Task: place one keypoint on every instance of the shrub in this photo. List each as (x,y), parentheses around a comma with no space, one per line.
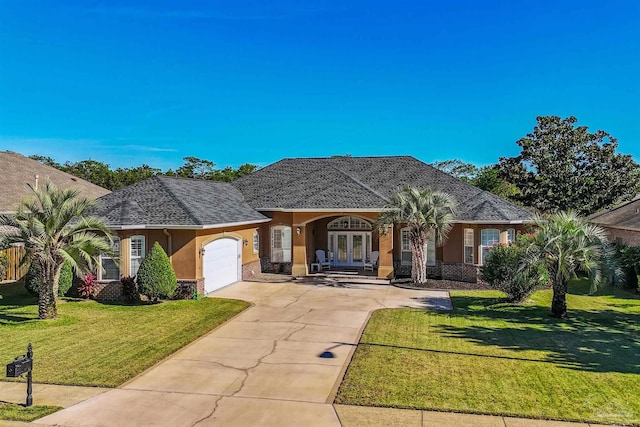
(66,279)
(628,260)
(185,291)
(130,289)
(4,266)
(33,279)
(88,287)
(508,270)
(156,278)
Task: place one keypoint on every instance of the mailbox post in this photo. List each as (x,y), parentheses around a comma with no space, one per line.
(23,365)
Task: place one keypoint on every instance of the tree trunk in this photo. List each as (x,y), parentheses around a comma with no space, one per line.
(559,302)
(47,298)
(419,258)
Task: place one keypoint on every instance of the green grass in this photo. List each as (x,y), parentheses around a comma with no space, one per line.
(490,357)
(14,412)
(95,344)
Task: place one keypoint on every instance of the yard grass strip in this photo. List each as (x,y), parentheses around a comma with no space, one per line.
(99,344)
(15,412)
(490,357)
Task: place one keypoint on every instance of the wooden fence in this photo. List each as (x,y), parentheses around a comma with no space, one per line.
(14,255)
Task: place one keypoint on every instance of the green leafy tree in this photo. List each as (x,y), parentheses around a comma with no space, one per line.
(196,168)
(45,160)
(425,212)
(488,179)
(456,167)
(55,228)
(156,278)
(128,176)
(566,242)
(564,166)
(93,171)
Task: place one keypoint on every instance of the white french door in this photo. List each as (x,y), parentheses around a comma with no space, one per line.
(350,248)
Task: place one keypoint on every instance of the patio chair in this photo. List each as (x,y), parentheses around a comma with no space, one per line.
(372,262)
(322,260)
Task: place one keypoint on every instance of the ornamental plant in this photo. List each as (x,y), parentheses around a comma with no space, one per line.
(66,279)
(156,278)
(508,269)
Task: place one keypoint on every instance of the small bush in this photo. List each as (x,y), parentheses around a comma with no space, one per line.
(33,279)
(4,266)
(130,289)
(628,260)
(156,278)
(66,279)
(506,269)
(88,288)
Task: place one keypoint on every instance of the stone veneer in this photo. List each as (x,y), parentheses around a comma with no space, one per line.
(268,266)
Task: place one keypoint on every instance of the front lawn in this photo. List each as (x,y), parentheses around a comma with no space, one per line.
(96,344)
(15,412)
(495,358)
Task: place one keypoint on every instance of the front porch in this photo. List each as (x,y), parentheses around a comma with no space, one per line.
(347,242)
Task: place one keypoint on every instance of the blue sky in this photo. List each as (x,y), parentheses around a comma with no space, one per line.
(130,82)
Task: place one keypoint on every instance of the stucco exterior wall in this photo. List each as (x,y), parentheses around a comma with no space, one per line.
(627,237)
(244,233)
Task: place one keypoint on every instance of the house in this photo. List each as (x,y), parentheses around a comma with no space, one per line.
(276,218)
(622,223)
(18,173)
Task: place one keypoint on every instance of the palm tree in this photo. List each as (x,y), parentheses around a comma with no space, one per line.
(425,212)
(566,242)
(54,227)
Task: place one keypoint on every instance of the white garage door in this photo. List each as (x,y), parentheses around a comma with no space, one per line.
(221,264)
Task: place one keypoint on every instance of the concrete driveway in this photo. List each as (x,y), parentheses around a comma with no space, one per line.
(278,363)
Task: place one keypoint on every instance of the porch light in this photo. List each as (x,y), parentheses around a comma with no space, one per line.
(298,231)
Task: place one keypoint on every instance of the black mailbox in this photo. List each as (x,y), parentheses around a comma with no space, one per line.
(19,366)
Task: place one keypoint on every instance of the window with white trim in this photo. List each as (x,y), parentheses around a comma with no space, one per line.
(256,243)
(281,243)
(488,238)
(109,263)
(136,253)
(511,235)
(349,223)
(406,253)
(468,245)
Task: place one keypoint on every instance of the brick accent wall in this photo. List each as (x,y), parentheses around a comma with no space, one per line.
(108,290)
(268,266)
(250,269)
(628,237)
(460,272)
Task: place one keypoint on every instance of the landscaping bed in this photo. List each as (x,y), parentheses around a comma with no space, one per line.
(487,356)
(440,284)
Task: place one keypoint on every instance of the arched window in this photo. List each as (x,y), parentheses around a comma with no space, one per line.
(349,223)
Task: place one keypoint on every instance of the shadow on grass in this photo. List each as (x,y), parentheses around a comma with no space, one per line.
(604,340)
(14,297)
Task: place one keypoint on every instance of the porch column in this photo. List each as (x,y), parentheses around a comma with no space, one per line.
(385,264)
(299,267)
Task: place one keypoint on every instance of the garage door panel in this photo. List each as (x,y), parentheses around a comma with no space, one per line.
(221,263)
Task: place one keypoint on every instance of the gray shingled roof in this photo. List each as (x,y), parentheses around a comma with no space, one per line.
(18,171)
(165,201)
(344,183)
(626,216)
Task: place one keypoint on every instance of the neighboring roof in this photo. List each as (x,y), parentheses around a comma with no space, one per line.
(364,183)
(18,171)
(625,216)
(167,202)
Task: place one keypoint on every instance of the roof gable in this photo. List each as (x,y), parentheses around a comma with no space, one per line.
(625,216)
(343,183)
(19,171)
(179,202)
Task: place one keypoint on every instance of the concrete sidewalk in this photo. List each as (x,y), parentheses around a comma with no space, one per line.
(48,394)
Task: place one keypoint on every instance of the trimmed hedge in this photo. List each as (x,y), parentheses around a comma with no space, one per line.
(156,278)
(34,279)
(66,279)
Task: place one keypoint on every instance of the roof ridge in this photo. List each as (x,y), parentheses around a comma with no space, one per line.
(360,183)
(178,200)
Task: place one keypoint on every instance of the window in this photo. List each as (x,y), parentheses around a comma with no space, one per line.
(256,243)
(136,254)
(110,269)
(281,244)
(468,246)
(406,252)
(511,235)
(488,238)
(349,223)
